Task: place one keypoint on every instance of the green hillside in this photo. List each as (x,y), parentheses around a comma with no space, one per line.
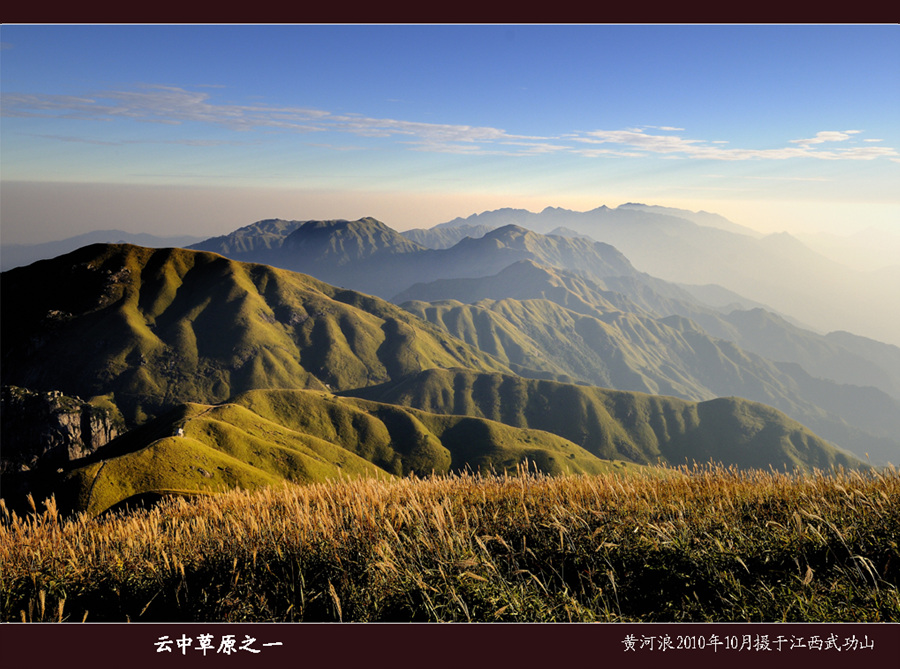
(522,280)
(367,255)
(265,437)
(540,339)
(616,424)
(276,376)
(155,327)
(565,327)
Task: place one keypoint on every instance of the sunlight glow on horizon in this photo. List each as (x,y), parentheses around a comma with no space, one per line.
(33,211)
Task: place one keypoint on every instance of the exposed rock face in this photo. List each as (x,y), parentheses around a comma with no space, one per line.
(49,429)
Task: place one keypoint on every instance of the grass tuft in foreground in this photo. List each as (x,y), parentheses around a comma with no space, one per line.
(710,544)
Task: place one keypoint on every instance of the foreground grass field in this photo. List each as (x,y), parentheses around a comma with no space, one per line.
(709,544)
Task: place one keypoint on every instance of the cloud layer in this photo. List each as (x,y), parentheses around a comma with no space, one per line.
(637,142)
(178,106)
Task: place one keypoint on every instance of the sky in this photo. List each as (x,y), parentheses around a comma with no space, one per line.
(201,129)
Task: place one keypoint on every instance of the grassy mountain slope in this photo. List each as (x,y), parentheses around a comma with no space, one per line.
(524,280)
(17,255)
(566,327)
(503,243)
(368,255)
(264,437)
(437,421)
(615,424)
(155,327)
(614,349)
(540,339)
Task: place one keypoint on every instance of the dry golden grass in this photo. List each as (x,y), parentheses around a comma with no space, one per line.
(705,544)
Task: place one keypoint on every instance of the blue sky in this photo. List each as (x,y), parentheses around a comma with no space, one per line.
(206,128)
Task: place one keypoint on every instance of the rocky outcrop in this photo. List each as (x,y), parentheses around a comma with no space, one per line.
(49,429)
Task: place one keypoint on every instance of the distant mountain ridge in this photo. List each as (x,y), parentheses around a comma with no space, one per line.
(368,255)
(444,238)
(777,269)
(869,249)
(258,237)
(343,242)
(863,362)
(703,218)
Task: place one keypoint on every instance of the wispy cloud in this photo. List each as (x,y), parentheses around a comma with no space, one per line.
(826,136)
(644,143)
(124,142)
(177,106)
(766,177)
(172,105)
(74,139)
(638,139)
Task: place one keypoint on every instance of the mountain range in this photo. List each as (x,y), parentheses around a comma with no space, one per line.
(609,323)
(699,248)
(161,326)
(306,350)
